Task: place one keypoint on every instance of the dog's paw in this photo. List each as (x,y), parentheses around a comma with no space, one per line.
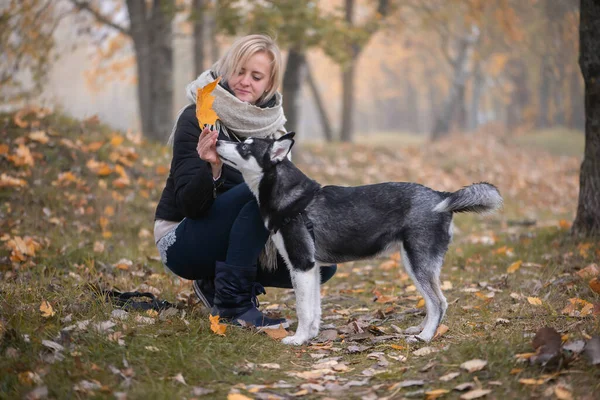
(413,330)
(294,340)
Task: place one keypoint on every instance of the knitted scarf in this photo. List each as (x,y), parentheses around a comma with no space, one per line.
(238,118)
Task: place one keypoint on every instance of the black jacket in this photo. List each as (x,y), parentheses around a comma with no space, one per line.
(190,189)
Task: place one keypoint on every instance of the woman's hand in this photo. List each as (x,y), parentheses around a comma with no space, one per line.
(207,150)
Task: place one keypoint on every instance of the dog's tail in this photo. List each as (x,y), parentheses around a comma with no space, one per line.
(480,197)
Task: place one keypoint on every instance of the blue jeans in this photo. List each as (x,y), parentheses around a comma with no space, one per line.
(233,232)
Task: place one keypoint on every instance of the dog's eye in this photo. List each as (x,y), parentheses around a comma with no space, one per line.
(245,147)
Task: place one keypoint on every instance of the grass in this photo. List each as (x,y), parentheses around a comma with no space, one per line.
(87,225)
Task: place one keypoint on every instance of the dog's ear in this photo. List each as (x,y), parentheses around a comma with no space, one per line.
(281,147)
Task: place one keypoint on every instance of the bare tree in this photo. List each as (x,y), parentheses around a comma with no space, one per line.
(152,35)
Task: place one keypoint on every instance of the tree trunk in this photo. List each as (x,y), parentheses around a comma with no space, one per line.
(198,23)
(544,94)
(577,112)
(347,126)
(519,97)
(477,89)
(151,33)
(325,124)
(456,94)
(162,69)
(292,88)
(137,16)
(212,29)
(587,221)
(347,130)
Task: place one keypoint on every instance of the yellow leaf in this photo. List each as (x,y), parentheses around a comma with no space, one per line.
(215,326)
(46,309)
(434,394)
(116,140)
(530,381)
(237,396)
(397,347)
(204,102)
(109,211)
(9,181)
(440,331)
(104,169)
(514,267)
(421,303)
(94,146)
(562,393)
(39,136)
(534,301)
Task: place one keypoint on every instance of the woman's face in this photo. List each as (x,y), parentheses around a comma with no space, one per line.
(253,79)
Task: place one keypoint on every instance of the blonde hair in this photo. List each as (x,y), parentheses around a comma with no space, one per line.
(241,50)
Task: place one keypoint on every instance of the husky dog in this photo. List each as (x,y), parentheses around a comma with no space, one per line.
(314,225)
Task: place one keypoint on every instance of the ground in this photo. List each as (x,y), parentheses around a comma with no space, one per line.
(76,209)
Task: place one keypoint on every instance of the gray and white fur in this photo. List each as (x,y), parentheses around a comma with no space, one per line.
(351,223)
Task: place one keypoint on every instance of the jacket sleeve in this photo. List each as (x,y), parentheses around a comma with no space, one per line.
(192,177)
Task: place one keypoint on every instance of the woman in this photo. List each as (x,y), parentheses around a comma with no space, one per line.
(208,226)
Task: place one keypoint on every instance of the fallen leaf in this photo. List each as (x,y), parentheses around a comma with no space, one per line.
(514,267)
(590,271)
(595,285)
(547,342)
(204,102)
(200,391)
(270,366)
(46,309)
(562,393)
(475,394)
(473,365)
(434,394)
(9,181)
(424,351)
(464,386)
(534,301)
(179,378)
(440,331)
(276,334)
(218,328)
(531,381)
(449,377)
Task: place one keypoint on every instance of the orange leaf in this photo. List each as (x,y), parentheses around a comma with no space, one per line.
(595,285)
(514,267)
(276,334)
(204,102)
(534,301)
(9,181)
(46,309)
(216,327)
(440,331)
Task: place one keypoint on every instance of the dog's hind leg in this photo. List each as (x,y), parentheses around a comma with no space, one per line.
(423,266)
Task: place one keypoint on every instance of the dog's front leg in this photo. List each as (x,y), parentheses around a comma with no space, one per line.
(304,286)
(316,321)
